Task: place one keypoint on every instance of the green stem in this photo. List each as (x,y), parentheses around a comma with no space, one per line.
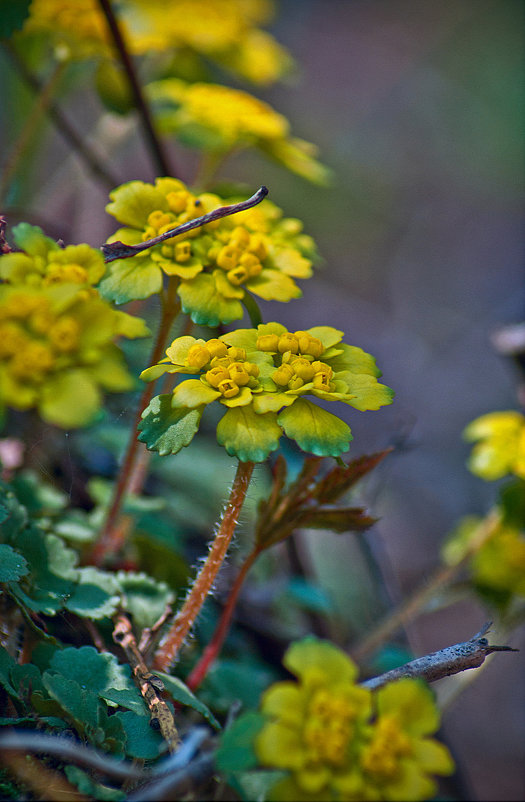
(212,650)
(39,109)
(110,539)
(150,134)
(174,638)
(82,150)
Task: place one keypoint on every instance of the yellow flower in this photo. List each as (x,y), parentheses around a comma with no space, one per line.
(43,262)
(57,351)
(216,263)
(501,446)
(227,33)
(261,376)
(338,741)
(218,119)
(498,565)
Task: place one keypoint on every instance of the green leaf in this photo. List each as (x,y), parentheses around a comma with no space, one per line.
(128,698)
(181,693)
(91,789)
(12,565)
(95,594)
(79,703)
(206,306)
(142,741)
(248,436)
(131,279)
(98,671)
(254,785)
(236,751)
(315,430)
(13,16)
(231,680)
(165,429)
(144,597)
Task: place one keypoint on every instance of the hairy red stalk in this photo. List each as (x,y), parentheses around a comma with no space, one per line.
(212,650)
(175,636)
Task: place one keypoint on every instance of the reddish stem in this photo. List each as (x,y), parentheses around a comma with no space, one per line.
(212,650)
(174,638)
(111,537)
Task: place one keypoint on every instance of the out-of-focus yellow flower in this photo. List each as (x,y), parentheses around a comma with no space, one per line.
(219,119)
(79,26)
(501,446)
(225,32)
(43,262)
(338,741)
(57,351)
(498,564)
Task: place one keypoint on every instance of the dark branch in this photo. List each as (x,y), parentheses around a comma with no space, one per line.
(451,660)
(119,250)
(140,103)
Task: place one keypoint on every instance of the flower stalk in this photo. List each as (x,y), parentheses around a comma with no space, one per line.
(112,536)
(174,638)
(212,650)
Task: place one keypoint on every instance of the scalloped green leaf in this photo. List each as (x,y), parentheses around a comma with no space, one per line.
(165,429)
(12,565)
(95,594)
(181,693)
(32,240)
(131,279)
(144,597)
(99,671)
(248,436)
(142,741)
(315,430)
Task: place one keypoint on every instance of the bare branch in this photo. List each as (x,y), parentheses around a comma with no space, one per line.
(443,663)
(119,250)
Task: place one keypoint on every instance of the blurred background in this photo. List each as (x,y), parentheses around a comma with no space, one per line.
(417,107)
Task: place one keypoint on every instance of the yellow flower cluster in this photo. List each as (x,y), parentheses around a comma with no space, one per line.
(339,741)
(228,33)
(499,448)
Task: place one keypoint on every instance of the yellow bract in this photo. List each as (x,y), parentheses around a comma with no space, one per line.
(500,449)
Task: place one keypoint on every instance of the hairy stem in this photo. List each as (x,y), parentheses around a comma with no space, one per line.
(110,539)
(152,139)
(212,650)
(174,638)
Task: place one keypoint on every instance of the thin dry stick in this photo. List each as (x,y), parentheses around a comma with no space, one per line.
(45,783)
(68,751)
(409,609)
(80,147)
(149,685)
(150,134)
(119,250)
(443,663)
(174,638)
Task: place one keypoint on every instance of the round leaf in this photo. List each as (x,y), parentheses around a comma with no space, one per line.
(165,429)
(248,436)
(315,430)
